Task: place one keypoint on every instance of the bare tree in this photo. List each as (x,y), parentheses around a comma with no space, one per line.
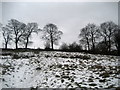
(7,36)
(30,28)
(51,34)
(89,35)
(94,34)
(107,32)
(85,37)
(18,30)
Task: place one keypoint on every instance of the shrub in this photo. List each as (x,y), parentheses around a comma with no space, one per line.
(71,47)
(64,47)
(15,56)
(75,47)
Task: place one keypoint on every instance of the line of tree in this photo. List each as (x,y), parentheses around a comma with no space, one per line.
(71,47)
(103,38)
(20,33)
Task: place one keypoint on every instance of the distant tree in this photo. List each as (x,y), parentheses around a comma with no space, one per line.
(75,47)
(64,46)
(18,30)
(117,39)
(101,47)
(30,28)
(94,34)
(7,36)
(71,47)
(47,45)
(107,32)
(89,35)
(51,34)
(85,37)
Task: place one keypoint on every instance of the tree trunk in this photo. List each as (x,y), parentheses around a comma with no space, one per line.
(26,44)
(16,44)
(93,46)
(109,44)
(52,42)
(88,45)
(93,43)
(85,47)
(118,48)
(6,45)
(106,43)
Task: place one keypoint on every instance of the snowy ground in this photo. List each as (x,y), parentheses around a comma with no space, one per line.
(59,70)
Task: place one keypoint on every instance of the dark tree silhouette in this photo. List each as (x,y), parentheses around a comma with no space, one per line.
(71,47)
(30,28)
(117,40)
(107,32)
(88,36)
(7,36)
(94,34)
(85,37)
(18,30)
(51,34)
(64,47)
(75,47)
(101,47)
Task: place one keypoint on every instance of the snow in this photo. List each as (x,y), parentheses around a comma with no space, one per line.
(60,70)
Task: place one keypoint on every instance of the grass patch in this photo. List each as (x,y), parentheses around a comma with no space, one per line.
(59,65)
(90,80)
(57,76)
(6,54)
(38,68)
(102,80)
(78,84)
(105,74)
(65,76)
(92,84)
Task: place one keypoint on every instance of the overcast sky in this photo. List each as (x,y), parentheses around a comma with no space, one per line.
(69,17)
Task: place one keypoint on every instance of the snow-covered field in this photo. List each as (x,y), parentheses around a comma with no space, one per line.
(59,70)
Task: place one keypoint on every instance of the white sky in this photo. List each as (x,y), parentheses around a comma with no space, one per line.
(70,17)
(59,0)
